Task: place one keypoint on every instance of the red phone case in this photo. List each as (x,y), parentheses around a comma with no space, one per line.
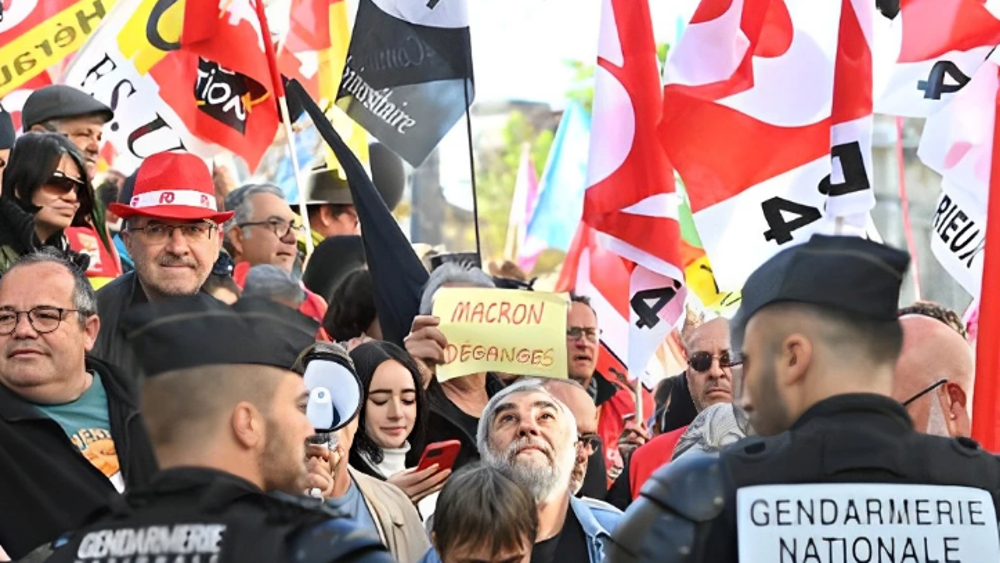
(441,453)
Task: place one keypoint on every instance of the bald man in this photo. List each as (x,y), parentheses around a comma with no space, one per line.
(579,402)
(933,351)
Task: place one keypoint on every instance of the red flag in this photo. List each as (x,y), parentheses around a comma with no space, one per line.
(943,43)
(630,200)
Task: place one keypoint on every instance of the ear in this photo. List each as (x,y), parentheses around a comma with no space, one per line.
(248,425)
(236,239)
(794,358)
(954,403)
(91,328)
(325,215)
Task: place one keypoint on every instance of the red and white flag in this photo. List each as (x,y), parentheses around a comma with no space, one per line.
(199,82)
(763,122)
(941,43)
(630,199)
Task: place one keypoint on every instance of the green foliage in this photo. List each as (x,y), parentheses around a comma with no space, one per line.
(496,176)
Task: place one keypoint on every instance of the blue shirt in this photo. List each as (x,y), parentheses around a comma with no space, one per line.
(352,505)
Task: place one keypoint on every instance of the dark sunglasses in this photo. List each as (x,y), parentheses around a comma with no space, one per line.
(927,390)
(591,442)
(223,266)
(702,361)
(63,182)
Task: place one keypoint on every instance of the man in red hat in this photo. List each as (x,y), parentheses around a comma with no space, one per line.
(172,232)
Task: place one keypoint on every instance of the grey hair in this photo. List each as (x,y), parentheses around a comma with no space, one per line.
(240,201)
(452,273)
(533,385)
(84,297)
(271,282)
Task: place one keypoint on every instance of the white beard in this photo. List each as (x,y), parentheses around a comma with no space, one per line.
(542,482)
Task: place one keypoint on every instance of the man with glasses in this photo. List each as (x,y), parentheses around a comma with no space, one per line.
(70,433)
(172,232)
(579,403)
(264,230)
(710,379)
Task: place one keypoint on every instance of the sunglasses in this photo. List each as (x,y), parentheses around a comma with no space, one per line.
(590,442)
(64,183)
(702,361)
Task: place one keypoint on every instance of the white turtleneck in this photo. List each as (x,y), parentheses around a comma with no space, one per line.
(393,460)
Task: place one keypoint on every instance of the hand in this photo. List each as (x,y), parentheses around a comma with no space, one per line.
(633,435)
(319,462)
(426,343)
(419,484)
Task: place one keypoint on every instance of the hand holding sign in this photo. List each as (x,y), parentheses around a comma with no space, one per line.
(510,331)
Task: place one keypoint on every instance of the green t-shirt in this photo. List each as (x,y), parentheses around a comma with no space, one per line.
(88,425)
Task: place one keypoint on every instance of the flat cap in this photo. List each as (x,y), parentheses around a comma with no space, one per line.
(190,332)
(6,130)
(60,101)
(848,274)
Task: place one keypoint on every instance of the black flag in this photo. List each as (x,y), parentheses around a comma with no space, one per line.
(398,275)
(408,76)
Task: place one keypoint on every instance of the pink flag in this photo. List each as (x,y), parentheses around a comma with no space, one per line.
(521,207)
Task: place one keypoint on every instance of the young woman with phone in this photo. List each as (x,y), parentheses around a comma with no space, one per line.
(389,442)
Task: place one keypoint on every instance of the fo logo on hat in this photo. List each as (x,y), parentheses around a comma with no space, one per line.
(173,185)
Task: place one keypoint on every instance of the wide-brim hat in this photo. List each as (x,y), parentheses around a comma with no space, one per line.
(173,185)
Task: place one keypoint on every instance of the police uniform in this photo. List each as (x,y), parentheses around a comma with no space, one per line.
(850,481)
(199,514)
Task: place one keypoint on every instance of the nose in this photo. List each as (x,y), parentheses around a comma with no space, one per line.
(177,244)
(395,410)
(23,328)
(528,427)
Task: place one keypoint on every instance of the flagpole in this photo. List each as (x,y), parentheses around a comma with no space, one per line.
(905,203)
(279,91)
(986,397)
(472,171)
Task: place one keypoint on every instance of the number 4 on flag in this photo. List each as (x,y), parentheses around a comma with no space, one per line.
(648,303)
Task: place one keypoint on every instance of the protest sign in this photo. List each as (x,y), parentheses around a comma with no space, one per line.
(866,522)
(504,330)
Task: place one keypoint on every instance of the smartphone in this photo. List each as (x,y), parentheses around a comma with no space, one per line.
(441,453)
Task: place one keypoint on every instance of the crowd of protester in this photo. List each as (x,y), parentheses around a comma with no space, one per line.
(94,405)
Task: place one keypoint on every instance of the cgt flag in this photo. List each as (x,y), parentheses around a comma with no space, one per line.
(169,70)
(408,76)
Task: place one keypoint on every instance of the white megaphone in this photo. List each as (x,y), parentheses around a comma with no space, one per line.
(334,391)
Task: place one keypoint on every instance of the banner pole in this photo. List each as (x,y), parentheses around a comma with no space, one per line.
(986,397)
(279,92)
(904,201)
(472,172)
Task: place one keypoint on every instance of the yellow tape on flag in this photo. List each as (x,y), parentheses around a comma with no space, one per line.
(502,330)
(48,43)
(151,31)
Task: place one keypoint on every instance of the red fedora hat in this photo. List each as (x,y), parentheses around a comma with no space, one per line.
(173,185)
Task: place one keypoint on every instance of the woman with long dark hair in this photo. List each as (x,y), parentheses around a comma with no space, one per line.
(45,190)
(391,422)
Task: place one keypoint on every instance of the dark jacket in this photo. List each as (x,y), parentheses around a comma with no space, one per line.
(113,301)
(18,237)
(445,420)
(47,487)
(207,515)
(846,439)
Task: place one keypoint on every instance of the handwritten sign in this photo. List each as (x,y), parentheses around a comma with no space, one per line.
(503,330)
(866,522)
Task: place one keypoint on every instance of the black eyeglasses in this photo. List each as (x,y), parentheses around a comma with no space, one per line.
(193,232)
(927,390)
(281,229)
(42,319)
(590,441)
(578,332)
(224,266)
(64,183)
(702,361)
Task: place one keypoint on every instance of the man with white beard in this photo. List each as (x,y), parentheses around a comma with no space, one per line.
(530,436)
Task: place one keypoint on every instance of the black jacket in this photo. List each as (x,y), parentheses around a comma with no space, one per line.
(47,487)
(113,301)
(445,421)
(688,509)
(18,237)
(201,514)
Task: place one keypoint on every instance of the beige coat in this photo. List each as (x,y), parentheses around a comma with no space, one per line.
(398,522)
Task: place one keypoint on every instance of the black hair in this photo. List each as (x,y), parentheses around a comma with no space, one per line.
(352,308)
(879,341)
(107,193)
(578,298)
(367,358)
(33,160)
